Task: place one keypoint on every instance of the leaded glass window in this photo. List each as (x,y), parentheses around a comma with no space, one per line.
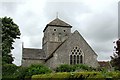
(76,56)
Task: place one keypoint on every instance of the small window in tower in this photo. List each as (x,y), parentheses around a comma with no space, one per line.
(54,29)
(64,30)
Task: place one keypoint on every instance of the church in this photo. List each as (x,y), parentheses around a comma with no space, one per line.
(60,46)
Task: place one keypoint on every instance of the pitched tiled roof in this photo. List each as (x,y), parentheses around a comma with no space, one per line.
(57,23)
(30,53)
(104,64)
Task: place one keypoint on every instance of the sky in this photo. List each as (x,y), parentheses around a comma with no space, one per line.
(96,20)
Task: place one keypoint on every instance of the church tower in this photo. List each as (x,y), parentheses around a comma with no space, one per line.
(55,33)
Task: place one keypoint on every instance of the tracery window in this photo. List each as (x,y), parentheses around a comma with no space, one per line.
(76,56)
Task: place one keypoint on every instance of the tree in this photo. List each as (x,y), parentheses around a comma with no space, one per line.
(115,60)
(10,32)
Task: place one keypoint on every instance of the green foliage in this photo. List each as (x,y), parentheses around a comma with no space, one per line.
(8,71)
(61,75)
(58,76)
(11,71)
(64,68)
(52,76)
(76,75)
(85,75)
(113,74)
(20,73)
(72,68)
(37,69)
(10,32)
(82,67)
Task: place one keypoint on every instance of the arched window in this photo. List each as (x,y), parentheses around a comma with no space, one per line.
(76,56)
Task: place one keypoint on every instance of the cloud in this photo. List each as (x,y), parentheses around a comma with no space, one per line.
(119,19)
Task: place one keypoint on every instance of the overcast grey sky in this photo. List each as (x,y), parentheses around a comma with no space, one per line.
(96,20)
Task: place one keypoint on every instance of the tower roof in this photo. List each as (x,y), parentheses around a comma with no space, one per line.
(57,23)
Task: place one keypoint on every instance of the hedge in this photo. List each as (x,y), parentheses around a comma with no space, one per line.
(8,70)
(64,68)
(82,67)
(72,68)
(11,71)
(77,75)
(37,69)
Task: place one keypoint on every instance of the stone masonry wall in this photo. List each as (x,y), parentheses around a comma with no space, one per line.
(28,62)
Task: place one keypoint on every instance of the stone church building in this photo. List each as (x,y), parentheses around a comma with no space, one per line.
(60,46)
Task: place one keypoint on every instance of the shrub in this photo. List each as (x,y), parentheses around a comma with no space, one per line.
(64,68)
(78,76)
(9,69)
(37,69)
(20,73)
(72,68)
(75,76)
(52,76)
(113,74)
(82,67)
(61,75)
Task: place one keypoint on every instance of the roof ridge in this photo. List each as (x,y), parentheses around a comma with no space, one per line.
(57,23)
(57,20)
